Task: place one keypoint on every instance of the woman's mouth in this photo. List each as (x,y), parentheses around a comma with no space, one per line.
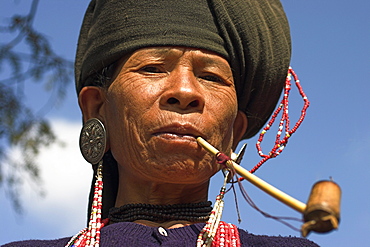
(179,131)
(172,135)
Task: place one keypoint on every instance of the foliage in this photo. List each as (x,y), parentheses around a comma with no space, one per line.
(26,57)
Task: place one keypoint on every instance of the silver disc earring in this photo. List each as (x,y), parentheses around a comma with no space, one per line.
(93,139)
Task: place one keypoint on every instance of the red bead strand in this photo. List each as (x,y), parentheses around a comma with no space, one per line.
(227,236)
(90,236)
(280,143)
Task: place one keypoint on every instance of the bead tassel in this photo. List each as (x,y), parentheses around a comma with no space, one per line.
(211,229)
(227,236)
(280,143)
(90,237)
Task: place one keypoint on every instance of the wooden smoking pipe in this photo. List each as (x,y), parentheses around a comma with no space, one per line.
(322,211)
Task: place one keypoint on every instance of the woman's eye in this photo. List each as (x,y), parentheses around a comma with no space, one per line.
(212,78)
(151,69)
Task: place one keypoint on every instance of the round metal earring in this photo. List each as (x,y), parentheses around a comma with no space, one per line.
(93,139)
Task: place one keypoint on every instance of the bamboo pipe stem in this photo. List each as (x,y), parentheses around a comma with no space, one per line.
(266,187)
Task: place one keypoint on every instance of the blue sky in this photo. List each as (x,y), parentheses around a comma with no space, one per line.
(331,56)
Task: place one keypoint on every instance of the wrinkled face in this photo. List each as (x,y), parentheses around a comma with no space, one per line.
(161,100)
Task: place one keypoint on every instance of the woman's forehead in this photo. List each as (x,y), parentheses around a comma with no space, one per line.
(208,57)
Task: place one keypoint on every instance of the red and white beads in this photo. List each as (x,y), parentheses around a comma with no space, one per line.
(281,142)
(90,237)
(227,236)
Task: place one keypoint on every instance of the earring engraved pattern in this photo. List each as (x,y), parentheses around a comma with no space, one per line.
(93,140)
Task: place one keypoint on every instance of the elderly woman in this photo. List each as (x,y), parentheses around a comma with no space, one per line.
(152,76)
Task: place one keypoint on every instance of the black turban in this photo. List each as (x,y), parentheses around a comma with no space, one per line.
(253,35)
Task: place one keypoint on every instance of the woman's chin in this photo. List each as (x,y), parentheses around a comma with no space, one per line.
(179,170)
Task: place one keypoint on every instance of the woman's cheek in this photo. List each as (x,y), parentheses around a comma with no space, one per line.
(223,119)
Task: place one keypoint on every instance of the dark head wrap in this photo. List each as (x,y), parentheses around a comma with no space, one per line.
(253,35)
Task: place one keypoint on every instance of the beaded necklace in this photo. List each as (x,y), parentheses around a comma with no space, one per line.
(192,212)
(214,233)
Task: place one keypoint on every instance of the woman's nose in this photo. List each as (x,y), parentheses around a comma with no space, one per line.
(183,93)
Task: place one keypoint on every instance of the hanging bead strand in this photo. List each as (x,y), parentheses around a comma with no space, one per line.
(90,236)
(209,231)
(280,143)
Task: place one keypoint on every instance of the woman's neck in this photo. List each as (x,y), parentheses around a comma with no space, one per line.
(134,190)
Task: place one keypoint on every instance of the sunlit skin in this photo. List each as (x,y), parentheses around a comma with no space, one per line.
(161,99)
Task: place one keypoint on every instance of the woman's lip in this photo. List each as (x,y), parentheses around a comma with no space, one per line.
(177,130)
(169,135)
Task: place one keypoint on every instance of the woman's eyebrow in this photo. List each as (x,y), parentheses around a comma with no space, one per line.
(160,52)
(205,58)
(209,61)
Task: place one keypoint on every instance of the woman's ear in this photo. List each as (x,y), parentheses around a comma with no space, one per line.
(91,99)
(239,128)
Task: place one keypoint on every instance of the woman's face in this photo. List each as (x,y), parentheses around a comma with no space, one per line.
(160,101)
